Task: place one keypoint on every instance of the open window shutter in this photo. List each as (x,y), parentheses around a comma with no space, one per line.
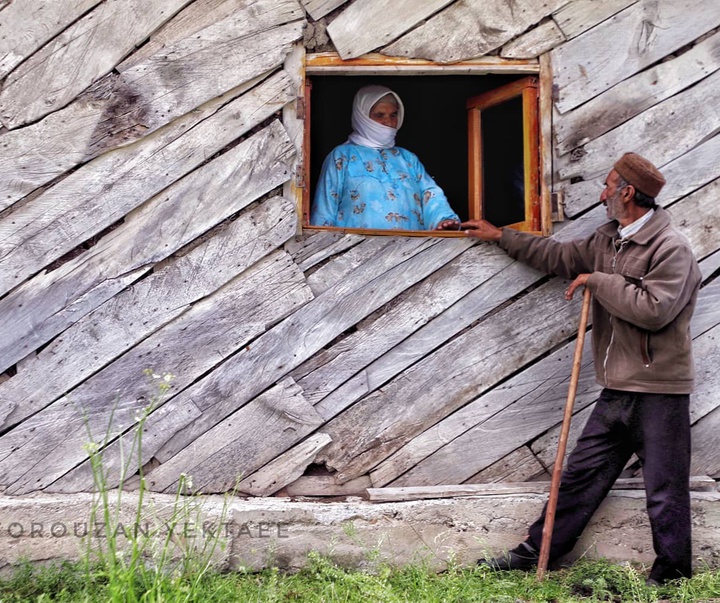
(503,155)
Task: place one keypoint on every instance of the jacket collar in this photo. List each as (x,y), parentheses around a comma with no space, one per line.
(659,221)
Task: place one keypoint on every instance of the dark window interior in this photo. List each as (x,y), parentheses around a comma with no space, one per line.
(503,166)
(435,129)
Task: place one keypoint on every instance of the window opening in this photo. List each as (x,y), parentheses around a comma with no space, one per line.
(481,165)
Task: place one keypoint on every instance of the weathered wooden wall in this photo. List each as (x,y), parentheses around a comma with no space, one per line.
(148,153)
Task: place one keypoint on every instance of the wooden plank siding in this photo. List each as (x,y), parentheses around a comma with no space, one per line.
(122,108)
(26,26)
(149,226)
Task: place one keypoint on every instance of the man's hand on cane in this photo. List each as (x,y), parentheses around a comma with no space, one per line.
(580,281)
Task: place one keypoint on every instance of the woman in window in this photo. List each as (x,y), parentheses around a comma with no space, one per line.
(368,182)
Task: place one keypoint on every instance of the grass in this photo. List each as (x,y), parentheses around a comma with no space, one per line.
(324,582)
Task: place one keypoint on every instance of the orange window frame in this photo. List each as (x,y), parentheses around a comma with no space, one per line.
(527,88)
(332,64)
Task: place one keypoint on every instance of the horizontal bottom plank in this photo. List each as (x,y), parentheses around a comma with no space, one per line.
(701,483)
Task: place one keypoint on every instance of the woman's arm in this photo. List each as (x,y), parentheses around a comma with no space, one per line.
(329,190)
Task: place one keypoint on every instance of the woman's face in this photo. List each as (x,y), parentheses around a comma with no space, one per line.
(385,113)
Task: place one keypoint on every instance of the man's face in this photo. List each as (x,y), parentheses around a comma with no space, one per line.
(612,197)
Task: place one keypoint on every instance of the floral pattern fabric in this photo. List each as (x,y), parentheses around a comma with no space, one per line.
(360,187)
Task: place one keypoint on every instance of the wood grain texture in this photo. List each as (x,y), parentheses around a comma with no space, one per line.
(642,34)
(662,133)
(684,175)
(52,301)
(82,54)
(326,485)
(369,24)
(533,43)
(410,311)
(107,188)
(636,94)
(471,308)
(518,466)
(466,29)
(39,451)
(121,109)
(697,217)
(26,25)
(244,17)
(578,16)
(242,443)
(493,426)
(383,422)
(311,248)
(134,314)
(701,483)
(376,282)
(285,469)
(319,8)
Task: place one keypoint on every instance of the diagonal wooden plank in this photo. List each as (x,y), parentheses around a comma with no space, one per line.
(312,248)
(580,15)
(120,109)
(285,469)
(636,94)
(691,116)
(492,426)
(471,308)
(446,380)
(368,24)
(26,25)
(242,443)
(319,8)
(410,312)
(104,190)
(533,43)
(641,35)
(246,17)
(285,346)
(368,288)
(82,54)
(684,175)
(43,307)
(50,443)
(467,29)
(137,312)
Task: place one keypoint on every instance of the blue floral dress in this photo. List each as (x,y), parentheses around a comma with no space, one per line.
(361,187)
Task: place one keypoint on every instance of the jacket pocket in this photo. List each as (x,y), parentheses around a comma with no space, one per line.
(645,351)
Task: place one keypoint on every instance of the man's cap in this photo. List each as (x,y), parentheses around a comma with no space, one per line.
(642,174)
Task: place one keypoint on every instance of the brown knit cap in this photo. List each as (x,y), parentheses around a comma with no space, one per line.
(642,174)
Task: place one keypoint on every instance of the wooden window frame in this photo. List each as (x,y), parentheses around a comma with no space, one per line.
(527,88)
(330,63)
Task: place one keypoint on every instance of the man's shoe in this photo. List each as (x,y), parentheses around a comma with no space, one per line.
(523,557)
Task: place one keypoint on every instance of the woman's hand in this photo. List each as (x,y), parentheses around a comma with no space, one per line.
(482,229)
(448,225)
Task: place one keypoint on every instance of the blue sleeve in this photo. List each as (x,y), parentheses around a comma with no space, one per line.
(329,190)
(434,202)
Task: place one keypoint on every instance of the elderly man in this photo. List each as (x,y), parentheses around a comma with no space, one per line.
(644,280)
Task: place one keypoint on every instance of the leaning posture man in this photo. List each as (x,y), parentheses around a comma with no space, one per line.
(644,280)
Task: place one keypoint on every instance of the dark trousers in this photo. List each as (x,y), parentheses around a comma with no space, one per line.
(657,428)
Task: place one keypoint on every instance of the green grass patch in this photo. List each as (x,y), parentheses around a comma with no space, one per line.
(322,581)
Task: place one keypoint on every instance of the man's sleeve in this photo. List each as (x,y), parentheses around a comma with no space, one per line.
(567,259)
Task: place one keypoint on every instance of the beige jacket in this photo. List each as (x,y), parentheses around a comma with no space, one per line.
(644,294)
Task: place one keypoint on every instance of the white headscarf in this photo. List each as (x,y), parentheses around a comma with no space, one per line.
(367,132)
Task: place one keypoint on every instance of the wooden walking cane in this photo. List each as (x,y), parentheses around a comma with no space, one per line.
(562,443)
